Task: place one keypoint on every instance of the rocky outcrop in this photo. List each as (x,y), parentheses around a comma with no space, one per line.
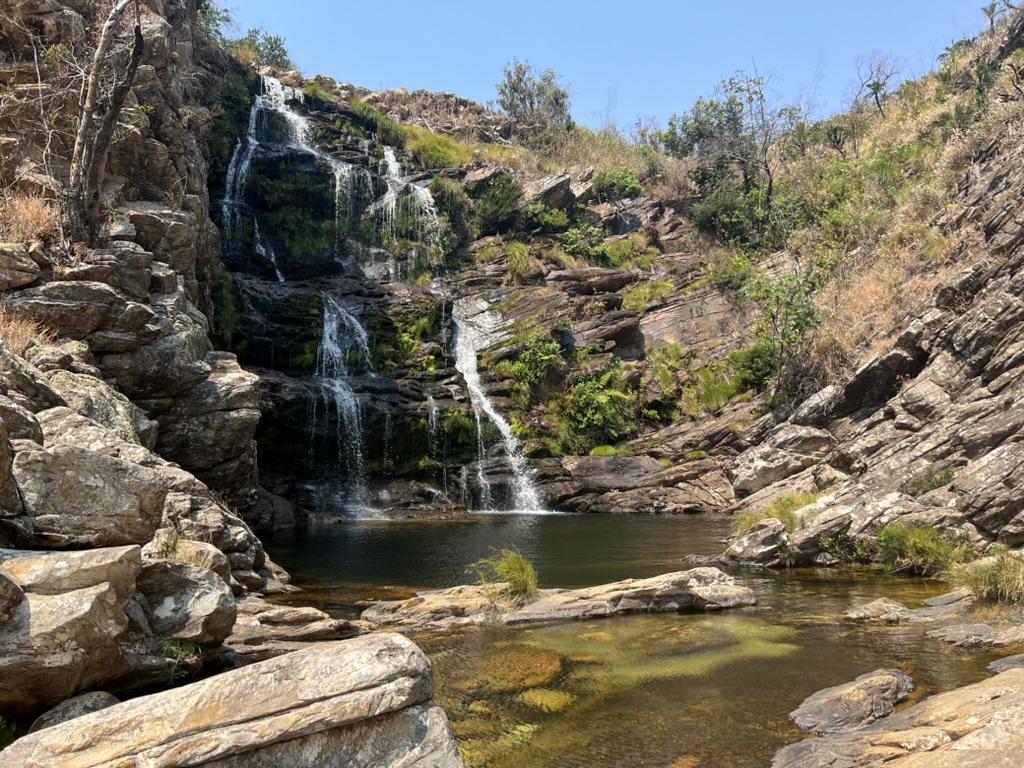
(978,725)
(699,589)
(849,706)
(363,702)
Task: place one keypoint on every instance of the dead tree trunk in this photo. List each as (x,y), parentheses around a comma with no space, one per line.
(98,115)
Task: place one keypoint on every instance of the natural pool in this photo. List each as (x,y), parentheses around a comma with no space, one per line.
(665,690)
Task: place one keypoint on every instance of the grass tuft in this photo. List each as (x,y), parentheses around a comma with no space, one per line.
(511,568)
(782,508)
(921,549)
(999,577)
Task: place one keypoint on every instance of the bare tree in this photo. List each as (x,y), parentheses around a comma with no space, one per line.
(992,12)
(98,112)
(874,75)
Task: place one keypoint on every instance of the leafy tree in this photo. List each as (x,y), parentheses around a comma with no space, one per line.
(538,103)
(788,313)
(498,204)
(261,49)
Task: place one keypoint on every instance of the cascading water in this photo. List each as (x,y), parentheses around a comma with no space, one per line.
(265,250)
(344,342)
(469,339)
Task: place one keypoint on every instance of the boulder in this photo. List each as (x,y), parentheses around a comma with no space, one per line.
(187,603)
(168,546)
(766,543)
(788,450)
(851,705)
(97,400)
(21,423)
(356,703)
(76,706)
(24,383)
(883,609)
(977,725)
(55,645)
(77,497)
(17,268)
(554,191)
(51,573)
(596,474)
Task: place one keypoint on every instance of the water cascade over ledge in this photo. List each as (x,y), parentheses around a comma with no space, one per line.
(470,337)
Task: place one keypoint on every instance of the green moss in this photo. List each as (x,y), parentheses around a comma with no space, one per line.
(930,479)
(631,252)
(642,295)
(316,92)
(373,120)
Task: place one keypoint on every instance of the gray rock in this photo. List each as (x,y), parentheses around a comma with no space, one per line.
(76,706)
(852,705)
(359,703)
(21,424)
(764,544)
(554,190)
(17,268)
(10,498)
(77,497)
(96,400)
(10,597)
(788,450)
(51,573)
(187,603)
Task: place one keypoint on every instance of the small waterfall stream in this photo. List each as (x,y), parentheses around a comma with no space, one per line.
(469,339)
(344,343)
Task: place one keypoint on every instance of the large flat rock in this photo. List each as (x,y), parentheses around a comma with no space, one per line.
(699,589)
(362,702)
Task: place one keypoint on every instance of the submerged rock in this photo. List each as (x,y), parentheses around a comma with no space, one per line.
(699,589)
(851,705)
(358,703)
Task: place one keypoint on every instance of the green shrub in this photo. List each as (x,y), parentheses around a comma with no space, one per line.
(540,357)
(455,207)
(388,131)
(545,218)
(608,451)
(929,480)
(316,92)
(753,367)
(999,577)
(519,259)
(497,206)
(599,410)
(507,566)
(695,455)
(920,549)
(611,185)
(585,242)
(782,508)
(432,150)
(180,651)
(640,296)
(630,252)
(711,390)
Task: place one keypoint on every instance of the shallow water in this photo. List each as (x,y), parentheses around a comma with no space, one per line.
(665,690)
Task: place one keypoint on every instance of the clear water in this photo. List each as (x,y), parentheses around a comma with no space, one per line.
(665,690)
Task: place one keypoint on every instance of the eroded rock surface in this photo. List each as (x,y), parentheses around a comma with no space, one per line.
(849,706)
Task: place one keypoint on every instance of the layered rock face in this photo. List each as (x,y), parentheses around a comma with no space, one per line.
(928,432)
(364,702)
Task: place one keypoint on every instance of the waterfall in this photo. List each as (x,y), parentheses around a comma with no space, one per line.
(391,170)
(469,338)
(344,342)
(265,250)
(404,199)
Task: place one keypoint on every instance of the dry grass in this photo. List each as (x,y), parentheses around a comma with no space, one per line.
(19,331)
(25,219)
(999,577)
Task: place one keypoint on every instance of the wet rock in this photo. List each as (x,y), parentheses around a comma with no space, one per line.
(17,268)
(1007,662)
(882,610)
(851,705)
(699,589)
(546,699)
(787,451)
(76,706)
(766,543)
(977,725)
(187,603)
(358,703)
(77,497)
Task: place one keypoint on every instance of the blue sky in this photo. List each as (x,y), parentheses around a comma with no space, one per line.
(621,60)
